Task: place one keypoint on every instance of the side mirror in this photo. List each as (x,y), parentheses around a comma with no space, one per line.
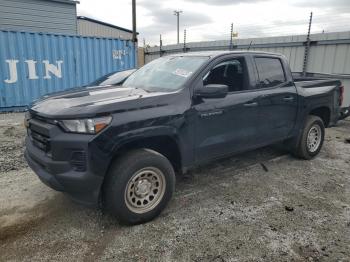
(212,91)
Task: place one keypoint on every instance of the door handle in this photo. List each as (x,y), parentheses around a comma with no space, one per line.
(251,104)
(211,113)
(288,98)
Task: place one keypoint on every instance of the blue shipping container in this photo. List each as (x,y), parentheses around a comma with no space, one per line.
(36,64)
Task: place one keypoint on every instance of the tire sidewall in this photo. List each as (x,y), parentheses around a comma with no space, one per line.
(123,172)
(312,122)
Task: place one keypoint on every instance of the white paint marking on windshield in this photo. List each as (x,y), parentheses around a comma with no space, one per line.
(182,72)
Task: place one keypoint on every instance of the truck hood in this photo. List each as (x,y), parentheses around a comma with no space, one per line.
(92,101)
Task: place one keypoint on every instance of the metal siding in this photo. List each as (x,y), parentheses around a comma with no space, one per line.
(339,67)
(347,60)
(38,16)
(299,58)
(329,57)
(84,60)
(329,53)
(88,28)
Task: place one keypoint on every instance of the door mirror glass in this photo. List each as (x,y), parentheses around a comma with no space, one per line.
(212,91)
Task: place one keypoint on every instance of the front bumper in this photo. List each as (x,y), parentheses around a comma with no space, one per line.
(83,187)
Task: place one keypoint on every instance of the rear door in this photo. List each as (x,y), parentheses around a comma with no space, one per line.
(278,100)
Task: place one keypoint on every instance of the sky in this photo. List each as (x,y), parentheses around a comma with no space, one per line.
(207,20)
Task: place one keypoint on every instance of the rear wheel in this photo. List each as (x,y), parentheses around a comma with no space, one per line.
(311,139)
(138,186)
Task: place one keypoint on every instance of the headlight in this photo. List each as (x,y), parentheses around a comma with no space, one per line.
(86,126)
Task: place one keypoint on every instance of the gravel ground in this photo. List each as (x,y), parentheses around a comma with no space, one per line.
(263,205)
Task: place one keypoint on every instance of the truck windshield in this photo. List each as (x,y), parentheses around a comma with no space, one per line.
(165,74)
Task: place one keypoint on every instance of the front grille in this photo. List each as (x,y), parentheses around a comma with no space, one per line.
(39,132)
(40,141)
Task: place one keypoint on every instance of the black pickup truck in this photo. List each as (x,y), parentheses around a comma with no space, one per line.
(121,145)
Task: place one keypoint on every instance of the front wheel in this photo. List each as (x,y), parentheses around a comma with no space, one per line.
(312,137)
(138,186)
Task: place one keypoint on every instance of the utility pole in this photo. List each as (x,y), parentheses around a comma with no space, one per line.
(307,47)
(160,45)
(134,34)
(185,41)
(177,14)
(231,37)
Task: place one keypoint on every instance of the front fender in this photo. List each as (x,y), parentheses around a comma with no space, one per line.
(146,132)
(107,145)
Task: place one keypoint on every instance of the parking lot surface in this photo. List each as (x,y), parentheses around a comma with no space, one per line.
(264,205)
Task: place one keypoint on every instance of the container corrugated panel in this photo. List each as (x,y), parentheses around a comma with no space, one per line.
(35,64)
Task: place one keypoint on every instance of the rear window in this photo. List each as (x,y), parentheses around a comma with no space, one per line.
(270,72)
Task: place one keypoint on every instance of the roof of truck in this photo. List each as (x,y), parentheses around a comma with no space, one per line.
(220,53)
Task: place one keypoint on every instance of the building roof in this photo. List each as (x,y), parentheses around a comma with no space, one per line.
(72,2)
(103,23)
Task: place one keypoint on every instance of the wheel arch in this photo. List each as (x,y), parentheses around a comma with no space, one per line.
(162,139)
(163,144)
(322,112)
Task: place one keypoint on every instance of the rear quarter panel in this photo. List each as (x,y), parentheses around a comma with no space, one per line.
(319,94)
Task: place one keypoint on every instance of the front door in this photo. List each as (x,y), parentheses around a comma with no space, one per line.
(226,125)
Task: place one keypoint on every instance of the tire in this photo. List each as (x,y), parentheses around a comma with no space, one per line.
(314,130)
(138,186)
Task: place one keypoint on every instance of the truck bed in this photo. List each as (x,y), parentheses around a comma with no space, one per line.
(308,80)
(317,86)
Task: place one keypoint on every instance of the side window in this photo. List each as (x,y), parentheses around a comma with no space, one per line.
(231,73)
(270,72)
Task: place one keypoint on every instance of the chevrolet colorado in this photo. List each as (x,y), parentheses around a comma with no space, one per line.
(121,145)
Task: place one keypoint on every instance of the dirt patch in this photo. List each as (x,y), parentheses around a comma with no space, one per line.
(12,135)
(9,233)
